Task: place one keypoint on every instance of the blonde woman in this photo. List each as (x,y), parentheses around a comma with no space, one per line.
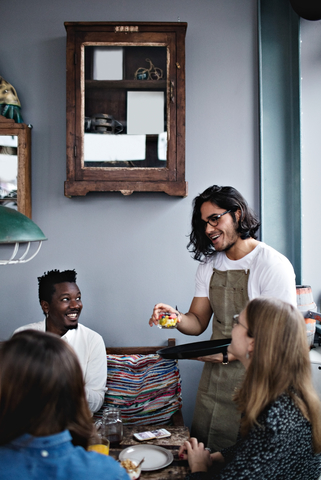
(280,431)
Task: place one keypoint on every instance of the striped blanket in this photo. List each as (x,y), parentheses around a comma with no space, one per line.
(146,388)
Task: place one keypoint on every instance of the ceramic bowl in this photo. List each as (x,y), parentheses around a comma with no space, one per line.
(129,466)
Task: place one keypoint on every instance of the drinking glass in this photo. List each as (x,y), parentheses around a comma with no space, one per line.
(99,444)
(112,425)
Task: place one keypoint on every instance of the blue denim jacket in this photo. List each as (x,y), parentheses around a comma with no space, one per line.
(55,457)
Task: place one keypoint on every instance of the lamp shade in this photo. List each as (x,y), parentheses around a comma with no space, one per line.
(307,9)
(17,228)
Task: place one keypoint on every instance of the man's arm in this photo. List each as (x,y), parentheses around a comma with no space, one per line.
(96,374)
(201,309)
(196,320)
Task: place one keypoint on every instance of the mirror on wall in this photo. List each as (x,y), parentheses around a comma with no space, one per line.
(8,170)
(15,165)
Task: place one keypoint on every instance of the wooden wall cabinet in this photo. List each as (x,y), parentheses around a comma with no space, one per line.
(15,165)
(125,107)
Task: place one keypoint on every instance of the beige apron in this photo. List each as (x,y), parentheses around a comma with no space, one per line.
(216,419)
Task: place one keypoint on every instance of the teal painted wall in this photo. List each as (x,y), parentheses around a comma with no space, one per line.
(280,148)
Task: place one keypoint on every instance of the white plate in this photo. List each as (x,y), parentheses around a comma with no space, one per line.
(155,457)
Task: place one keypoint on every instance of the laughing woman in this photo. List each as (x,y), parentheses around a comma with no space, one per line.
(280,431)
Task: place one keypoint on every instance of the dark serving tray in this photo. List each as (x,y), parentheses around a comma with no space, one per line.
(196,349)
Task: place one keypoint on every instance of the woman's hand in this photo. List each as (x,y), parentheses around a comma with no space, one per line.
(199,459)
(158,310)
(217,457)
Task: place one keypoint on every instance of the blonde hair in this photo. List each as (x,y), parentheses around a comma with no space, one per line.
(280,364)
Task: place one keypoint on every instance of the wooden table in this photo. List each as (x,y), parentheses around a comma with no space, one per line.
(178,468)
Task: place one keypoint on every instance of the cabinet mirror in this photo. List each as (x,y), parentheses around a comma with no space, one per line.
(131,131)
(15,165)
(125,107)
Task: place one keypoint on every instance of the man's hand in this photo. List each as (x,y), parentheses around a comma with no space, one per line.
(158,310)
(217,358)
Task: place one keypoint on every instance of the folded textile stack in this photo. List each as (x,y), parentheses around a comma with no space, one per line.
(146,388)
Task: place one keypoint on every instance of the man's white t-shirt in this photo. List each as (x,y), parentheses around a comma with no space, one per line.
(271,273)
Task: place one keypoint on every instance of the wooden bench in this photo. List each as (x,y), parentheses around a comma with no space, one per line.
(171,342)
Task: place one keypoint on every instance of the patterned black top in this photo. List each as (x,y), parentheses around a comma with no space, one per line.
(279,448)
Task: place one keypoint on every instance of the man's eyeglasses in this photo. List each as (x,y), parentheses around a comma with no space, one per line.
(213,221)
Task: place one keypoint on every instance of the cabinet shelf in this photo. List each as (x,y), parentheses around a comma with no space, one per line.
(127,84)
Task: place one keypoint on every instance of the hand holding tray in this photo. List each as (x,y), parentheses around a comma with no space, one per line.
(195,349)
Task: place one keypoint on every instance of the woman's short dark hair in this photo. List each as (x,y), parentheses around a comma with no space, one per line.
(41,389)
(227,198)
(46,283)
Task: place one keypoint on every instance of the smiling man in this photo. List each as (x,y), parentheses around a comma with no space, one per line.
(60,300)
(235,267)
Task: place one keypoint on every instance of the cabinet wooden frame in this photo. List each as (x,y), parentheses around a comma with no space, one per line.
(82,179)
(23,132)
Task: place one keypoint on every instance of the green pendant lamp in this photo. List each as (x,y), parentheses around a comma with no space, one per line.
(16,229)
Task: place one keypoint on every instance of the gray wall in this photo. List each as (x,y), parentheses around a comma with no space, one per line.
(130,252)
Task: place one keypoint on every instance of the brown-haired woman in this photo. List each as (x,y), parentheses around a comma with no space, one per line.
(280,432)
(45,423)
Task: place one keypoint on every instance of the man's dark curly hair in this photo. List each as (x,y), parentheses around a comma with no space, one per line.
(227,198)
(47,282)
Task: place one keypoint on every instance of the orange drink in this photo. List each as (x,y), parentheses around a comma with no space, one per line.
(102,447)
